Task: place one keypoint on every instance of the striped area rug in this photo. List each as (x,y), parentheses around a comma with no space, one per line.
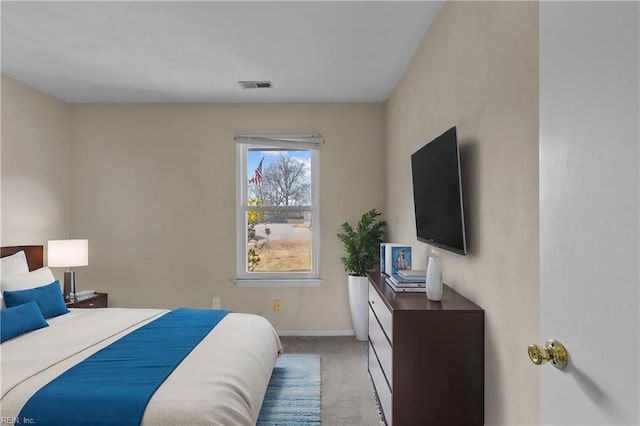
(293,394)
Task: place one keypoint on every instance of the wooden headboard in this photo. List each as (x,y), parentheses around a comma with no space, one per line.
(35,254)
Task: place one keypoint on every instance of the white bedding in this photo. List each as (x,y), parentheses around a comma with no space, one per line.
(221,382)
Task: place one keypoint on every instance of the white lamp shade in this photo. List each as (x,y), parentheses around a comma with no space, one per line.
(67,253)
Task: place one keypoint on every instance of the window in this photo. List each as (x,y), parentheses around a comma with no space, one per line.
(277,210)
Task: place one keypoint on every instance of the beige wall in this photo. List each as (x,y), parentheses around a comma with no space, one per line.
(35,166)
(478,69)
(153,189)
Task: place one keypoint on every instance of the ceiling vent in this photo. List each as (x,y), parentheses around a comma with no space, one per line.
(255,84)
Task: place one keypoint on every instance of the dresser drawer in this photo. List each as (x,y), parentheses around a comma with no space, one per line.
(382,388)
(381,311)
(381,346)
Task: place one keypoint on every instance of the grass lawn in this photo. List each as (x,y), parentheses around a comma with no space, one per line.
(285,255)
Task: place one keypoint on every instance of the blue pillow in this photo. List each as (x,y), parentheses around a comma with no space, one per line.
(49,299)
(20,319)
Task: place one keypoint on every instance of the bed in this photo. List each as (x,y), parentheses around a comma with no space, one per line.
(222,381)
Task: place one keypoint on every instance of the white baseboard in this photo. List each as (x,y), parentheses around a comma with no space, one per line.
(315,333)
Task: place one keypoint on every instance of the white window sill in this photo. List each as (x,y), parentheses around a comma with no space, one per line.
(284,282)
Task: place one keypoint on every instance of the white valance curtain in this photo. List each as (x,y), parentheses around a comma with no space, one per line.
(308,141)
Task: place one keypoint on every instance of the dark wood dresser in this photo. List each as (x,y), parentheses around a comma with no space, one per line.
(426,359)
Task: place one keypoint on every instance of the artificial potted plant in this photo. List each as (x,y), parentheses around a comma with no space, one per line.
(362,245)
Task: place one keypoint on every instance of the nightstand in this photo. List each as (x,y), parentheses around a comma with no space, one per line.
(96,300)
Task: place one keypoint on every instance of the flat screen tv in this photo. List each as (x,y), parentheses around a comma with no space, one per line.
(437,193)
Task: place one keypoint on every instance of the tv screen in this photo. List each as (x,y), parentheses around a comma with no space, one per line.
(437,193)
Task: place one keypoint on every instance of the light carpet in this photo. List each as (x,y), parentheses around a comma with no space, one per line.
(348,398)
(293,394)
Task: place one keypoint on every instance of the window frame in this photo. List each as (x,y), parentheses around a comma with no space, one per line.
(244,143)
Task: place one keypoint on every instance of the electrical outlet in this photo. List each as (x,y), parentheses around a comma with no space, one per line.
(215,303)
(277,305)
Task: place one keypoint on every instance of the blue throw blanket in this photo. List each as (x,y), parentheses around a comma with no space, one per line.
(114,385)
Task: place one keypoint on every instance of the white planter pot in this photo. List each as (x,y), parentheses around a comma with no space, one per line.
(359,305)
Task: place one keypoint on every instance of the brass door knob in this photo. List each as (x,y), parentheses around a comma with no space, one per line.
(553,351)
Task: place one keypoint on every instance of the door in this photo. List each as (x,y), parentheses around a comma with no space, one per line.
(589,210)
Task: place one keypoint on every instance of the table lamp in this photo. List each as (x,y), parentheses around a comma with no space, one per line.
(68,254)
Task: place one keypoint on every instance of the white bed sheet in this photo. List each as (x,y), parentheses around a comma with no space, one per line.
(221,382)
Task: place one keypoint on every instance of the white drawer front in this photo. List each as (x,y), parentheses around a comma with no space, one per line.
(381,346)
(382,389)
(381,311)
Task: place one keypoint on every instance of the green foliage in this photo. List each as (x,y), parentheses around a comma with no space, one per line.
(362,244)
(254,216)
(253,257)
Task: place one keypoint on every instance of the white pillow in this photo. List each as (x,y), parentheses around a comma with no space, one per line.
(33,279)
(15,264)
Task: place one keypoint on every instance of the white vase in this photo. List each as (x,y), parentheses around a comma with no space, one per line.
(359,305)
(434,278)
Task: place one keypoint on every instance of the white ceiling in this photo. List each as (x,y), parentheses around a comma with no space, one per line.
(122,52)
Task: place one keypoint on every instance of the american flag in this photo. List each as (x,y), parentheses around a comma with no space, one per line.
(257,175)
